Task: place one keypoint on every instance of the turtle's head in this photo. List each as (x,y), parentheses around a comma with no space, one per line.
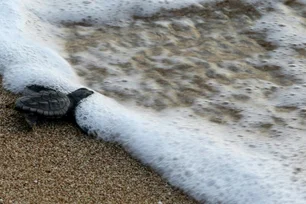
(79,94)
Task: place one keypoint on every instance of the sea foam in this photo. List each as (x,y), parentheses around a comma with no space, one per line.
(209,161)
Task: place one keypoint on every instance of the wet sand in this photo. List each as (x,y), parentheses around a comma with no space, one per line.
(57,163)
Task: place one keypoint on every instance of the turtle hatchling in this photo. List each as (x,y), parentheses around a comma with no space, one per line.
(41,102)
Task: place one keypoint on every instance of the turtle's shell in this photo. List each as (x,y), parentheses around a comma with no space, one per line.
(46,103)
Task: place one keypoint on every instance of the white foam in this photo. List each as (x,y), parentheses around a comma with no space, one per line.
(283,28)
(23,61)
(202,161)
(209,161)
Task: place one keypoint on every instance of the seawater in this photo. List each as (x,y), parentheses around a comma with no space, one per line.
(211,94)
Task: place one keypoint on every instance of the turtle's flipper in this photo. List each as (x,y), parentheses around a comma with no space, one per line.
(31,119)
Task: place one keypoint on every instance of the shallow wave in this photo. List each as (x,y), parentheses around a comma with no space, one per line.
(231,162)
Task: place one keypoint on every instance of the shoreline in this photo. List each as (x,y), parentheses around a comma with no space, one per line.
(57,163)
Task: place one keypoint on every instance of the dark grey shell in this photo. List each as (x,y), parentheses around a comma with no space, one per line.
(49,103)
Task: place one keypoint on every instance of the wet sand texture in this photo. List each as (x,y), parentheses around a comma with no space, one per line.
(209,60)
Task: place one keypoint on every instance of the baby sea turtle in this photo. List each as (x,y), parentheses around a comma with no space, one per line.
(41,102)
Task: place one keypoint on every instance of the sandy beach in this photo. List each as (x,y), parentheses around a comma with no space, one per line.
(57,163)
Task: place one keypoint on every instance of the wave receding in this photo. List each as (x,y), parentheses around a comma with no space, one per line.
(213,162)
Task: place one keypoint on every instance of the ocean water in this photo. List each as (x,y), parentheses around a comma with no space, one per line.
(211,94)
